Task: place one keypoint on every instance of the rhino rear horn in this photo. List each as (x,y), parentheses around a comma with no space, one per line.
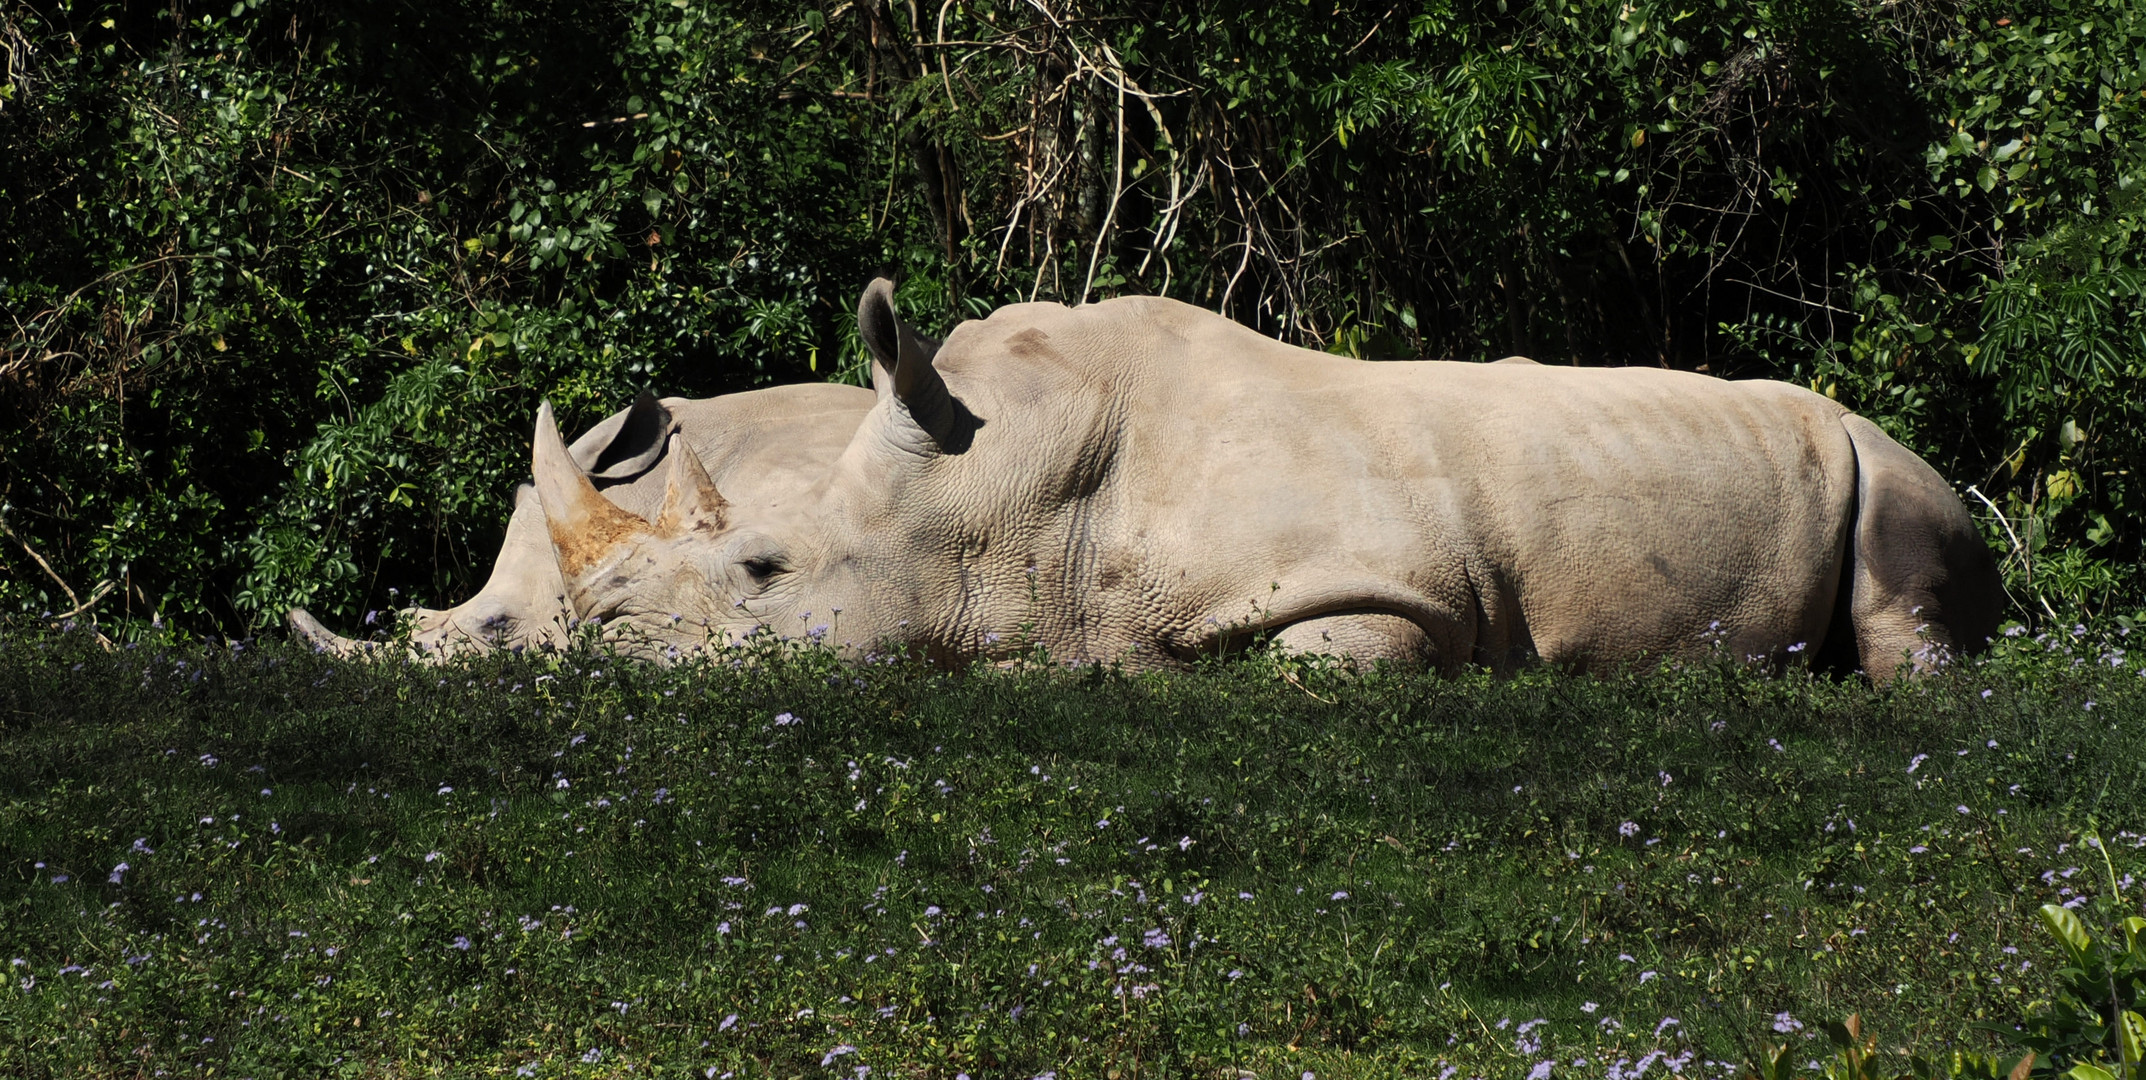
(902,363)
(584,525)
(690,500)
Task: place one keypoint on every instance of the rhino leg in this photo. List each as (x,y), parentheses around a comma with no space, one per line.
(1922,585)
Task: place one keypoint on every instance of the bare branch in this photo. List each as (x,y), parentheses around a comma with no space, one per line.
(40,560)
(1117,191)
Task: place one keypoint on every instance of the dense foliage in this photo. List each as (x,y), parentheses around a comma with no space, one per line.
(256,861)
(285,278)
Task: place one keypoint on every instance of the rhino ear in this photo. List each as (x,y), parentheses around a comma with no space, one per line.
(880,325)
(627,444)
(690,500)
(902,363)
(583,524)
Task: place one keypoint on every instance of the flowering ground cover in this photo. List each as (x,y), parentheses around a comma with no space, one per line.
(251,861)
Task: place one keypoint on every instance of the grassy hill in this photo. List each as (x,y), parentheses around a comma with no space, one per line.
(251,861)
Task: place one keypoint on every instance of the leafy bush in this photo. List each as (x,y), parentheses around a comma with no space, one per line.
(288,282)
(287,278)
(2091,1031)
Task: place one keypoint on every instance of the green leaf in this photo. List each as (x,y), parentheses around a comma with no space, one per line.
(2070,932)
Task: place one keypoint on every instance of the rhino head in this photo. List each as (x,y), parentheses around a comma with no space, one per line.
(770,445)
(907,542)
(522,604)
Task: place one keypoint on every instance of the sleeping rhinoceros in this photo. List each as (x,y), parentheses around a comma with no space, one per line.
(767,447)
(1141,479)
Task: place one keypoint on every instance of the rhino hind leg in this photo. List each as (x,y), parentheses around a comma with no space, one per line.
(1922,585)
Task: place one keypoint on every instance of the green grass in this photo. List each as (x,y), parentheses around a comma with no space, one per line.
(589,867)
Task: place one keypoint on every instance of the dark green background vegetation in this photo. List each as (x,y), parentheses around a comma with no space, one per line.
(284,280)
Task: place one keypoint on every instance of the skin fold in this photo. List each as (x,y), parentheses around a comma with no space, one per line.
(1139,480)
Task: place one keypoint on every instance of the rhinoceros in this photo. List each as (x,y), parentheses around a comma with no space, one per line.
(1146,481)
(768,447)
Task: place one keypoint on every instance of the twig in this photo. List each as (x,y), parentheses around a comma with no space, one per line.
(944,78)
(1243,262)
(2001,520)
(1168,219)
(70,298)
(2026,558)
(1807,303)
(894,171)
(103,589)
(1115,75)
(1033,193)
(1117,191)
(40,559)
(1291,678)
(1374,29)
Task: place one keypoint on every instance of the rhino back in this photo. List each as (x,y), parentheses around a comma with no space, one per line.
(761,447)
(1589,514)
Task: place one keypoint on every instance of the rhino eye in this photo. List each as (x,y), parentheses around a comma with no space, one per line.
(763,568)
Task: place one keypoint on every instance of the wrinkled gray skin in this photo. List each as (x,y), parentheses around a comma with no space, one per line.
(766,447)
(1143,480)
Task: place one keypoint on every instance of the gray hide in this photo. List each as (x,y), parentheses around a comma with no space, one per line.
(765,447)
(1141,479)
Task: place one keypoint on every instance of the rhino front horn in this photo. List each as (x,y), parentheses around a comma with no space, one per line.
(309,630)
(584,525)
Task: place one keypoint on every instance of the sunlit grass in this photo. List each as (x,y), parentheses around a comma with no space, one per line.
(259,862)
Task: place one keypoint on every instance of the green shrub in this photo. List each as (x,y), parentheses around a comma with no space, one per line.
(286,279)
(2091,1030)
